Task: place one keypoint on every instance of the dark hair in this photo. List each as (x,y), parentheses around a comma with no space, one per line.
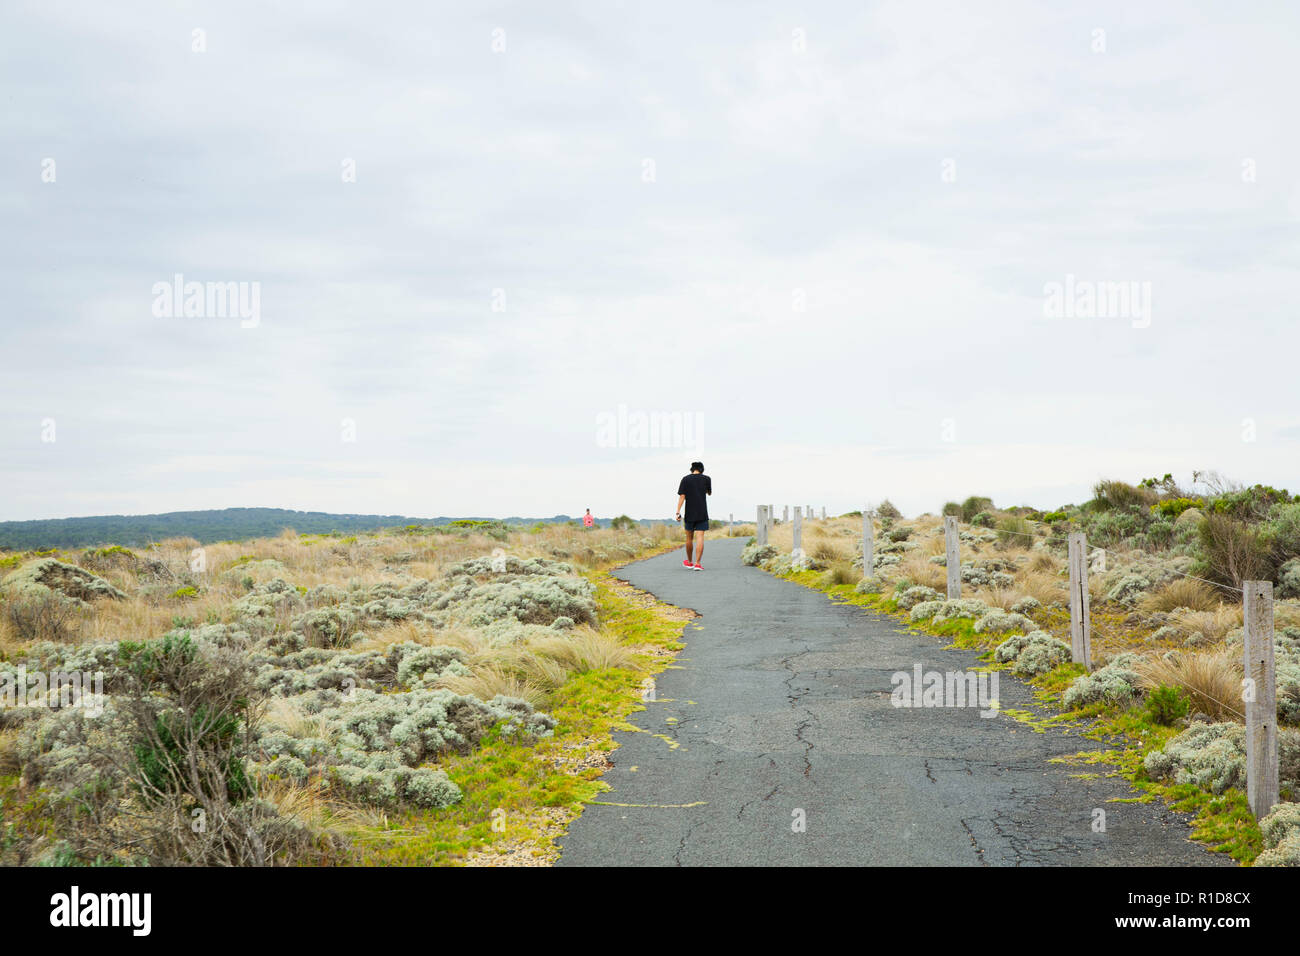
(697,466)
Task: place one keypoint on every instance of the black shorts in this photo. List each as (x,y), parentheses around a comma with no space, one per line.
(696,525)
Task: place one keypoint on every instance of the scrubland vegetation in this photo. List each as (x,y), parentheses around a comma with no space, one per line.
(230,524)
(419,696)
(1166,567)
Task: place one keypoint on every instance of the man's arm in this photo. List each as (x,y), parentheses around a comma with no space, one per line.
(681,500)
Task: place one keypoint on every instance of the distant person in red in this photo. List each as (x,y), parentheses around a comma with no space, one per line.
(692,491)
(588,520)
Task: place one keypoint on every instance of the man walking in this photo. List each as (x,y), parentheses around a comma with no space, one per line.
(691,491)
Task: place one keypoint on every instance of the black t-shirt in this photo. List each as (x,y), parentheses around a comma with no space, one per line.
(695,487)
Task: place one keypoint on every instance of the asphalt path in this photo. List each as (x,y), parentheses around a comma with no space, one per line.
(773,741)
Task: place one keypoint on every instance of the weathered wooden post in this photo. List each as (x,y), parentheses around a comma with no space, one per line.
(1080,609)
(808,512)
(823,512)
(760,527)
(868,542)
(785,514)
(798,532)
(953,550)
(1259,694)
(731,525)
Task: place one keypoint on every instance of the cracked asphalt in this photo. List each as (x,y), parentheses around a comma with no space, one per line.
(778,710)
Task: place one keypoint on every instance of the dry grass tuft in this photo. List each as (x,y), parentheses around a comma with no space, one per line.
(1181,592)
(415,632)
(1045,561)
(1214,623)
(536,670)
(1004,598)
(9,764)
(1286,614)
(584,650)
(920,571)
(10,642)
(491,680)
(841,573)
(828,551)
(283,712)
(321,811)
(1212,681)
(1046,588)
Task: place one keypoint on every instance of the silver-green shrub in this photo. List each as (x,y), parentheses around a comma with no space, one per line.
(960,608)
(1281,833)
(1209,756)
(1000,622)
(509,564)
(530,600)
(1116,683)
(925,611)
(915,595)
(1026,605)
(422,666)
(48,577)
(1032,654)
(1127,586)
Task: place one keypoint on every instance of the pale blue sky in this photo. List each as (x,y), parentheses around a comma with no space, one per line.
(779,174)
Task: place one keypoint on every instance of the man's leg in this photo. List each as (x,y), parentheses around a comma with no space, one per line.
(699,546)
(689,538)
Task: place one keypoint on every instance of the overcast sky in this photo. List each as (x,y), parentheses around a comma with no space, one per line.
(824,234)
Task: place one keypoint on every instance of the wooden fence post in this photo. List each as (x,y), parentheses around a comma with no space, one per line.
(868,540)
(760,527)
(731,525)
(1080,601)
(798,531)
(823,512)
(953,551)
(1260,698)
(785,515)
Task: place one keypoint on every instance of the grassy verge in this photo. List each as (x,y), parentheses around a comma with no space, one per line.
(518,793)
(519,797)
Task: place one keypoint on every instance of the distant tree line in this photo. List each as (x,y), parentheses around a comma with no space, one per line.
(227,524)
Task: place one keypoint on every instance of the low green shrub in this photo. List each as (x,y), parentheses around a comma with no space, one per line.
(1166,705)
